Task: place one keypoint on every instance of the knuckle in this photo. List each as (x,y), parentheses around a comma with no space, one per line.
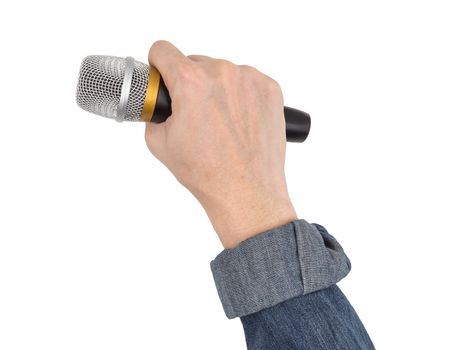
(261,80)
(273,86)
(248,69)
(190,75)
(157,45)
(224,64)
(226,68)
(197,57)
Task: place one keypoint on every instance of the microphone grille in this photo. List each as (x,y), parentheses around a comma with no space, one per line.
(100,85)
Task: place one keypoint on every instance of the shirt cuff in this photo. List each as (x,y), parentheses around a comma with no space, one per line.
(285,262)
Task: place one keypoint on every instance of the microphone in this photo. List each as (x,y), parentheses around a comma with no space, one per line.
(127,90)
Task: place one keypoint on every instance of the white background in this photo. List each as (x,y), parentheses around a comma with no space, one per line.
(101,248)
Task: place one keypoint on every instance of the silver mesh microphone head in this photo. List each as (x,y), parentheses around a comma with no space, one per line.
(112,87)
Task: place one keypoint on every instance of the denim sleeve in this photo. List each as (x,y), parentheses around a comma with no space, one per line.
(322,320)
(282,284)
(285,262)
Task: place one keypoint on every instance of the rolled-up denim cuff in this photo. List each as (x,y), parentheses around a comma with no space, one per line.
(291,260)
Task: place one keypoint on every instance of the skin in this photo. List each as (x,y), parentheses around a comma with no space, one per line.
(225,141)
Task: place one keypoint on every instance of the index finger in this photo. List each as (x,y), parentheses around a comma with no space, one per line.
(168,60)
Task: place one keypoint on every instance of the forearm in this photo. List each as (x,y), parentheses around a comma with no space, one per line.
(238,218)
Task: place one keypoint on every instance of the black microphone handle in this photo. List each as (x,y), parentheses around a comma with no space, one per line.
(297,123)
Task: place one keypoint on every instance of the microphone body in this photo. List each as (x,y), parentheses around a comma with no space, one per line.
(127,90)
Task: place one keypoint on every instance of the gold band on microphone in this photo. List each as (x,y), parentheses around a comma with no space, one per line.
(152,91)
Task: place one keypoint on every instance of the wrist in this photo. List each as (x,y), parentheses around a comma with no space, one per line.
(237,219)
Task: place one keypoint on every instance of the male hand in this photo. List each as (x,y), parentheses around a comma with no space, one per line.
(225,141)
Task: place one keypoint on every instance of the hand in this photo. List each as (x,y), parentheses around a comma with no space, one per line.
(225,141)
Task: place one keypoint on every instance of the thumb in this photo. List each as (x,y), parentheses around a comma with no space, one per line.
(156,139)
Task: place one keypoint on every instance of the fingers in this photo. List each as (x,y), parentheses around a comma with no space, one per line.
(155,135)
(168,60)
